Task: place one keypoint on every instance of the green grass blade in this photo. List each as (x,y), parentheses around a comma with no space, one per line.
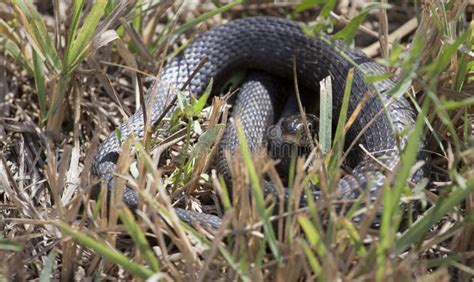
(166,213)
(439,64)
(327,9)
(349,31)
(224,194)
(71,34)
(38,33)
(307,4)
(434,214)
(40,83)
(8,32)
(391,196)
(10,42)
(47,270)
(324,22)
(205,17)
(339,135)
(463,69)
(453,105)
(61,88)
(14,51)
(442,261)
(409,63)
(292,168)
(344,107)
(257,191)
(312,260)
(224,252)
(139,238)
(325,115)
(313,236)
(84,36)
(243,274)
(355,237)
(10,245)
(465,268)
(106,251)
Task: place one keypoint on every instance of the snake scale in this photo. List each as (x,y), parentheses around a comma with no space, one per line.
(278,47)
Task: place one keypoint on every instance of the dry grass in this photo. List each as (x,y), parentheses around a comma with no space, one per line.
(58,100)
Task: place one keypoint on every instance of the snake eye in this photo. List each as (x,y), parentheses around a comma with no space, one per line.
(299,127)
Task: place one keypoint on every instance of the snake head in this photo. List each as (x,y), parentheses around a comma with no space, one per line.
(289,138)
(293,129)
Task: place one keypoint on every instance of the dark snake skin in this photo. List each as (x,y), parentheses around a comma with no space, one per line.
(273,45)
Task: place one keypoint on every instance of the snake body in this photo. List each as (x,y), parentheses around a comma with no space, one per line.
(278,47)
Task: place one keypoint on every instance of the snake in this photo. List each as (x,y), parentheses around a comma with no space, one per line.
(278,48)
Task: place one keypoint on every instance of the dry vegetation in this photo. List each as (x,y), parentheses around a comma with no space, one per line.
(70,74)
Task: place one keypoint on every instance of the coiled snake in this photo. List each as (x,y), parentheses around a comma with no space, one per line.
(275,46)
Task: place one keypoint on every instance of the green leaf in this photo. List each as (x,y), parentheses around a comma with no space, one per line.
(327,9)
(201,102)
(206,140)
(307,4)
(349,31)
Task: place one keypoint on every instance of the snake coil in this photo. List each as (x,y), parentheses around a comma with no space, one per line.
(274,45)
